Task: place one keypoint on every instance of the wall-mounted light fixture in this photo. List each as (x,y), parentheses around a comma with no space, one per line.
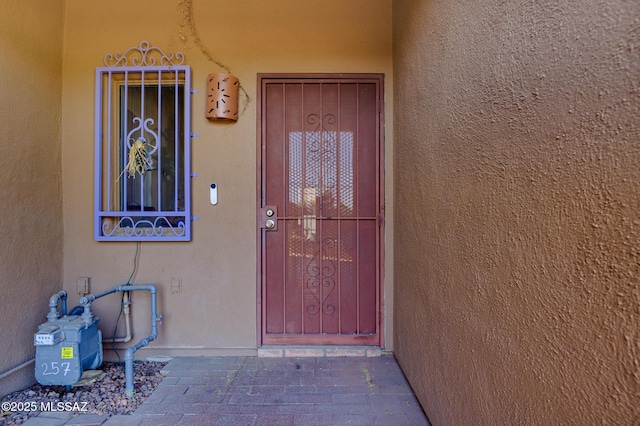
(222,97)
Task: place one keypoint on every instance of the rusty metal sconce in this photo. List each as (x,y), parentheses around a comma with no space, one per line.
(222,97)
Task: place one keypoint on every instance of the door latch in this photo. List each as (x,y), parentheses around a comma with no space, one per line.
(269,218)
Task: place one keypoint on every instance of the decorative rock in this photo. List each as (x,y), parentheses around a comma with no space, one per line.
(102,397)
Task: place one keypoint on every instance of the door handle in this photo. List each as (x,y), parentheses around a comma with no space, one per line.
(269,218)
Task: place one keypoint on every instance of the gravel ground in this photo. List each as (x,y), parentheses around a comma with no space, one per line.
(104,396)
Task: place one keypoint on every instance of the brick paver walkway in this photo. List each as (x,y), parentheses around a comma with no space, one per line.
(277,391)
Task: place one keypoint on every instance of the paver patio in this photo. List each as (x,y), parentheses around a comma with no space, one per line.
(273,391)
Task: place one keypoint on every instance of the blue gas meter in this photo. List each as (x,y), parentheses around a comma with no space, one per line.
(65,347)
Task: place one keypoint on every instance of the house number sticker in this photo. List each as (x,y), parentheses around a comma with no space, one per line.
(67,353)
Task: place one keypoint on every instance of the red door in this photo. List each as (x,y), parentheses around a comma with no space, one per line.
(320,208)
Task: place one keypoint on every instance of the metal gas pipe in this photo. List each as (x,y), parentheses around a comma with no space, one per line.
(155,319)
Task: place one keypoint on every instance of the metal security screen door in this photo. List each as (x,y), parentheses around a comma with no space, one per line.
(320,209)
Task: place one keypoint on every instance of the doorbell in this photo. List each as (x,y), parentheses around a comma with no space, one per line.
(213,194)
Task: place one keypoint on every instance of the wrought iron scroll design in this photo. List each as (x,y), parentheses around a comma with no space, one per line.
(137,227)
(143,55)
(321,143)
(142,127)
(321,279)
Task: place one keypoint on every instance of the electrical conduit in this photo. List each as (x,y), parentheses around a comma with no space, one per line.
(126,311)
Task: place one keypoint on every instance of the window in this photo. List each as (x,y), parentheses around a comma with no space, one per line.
(142,143)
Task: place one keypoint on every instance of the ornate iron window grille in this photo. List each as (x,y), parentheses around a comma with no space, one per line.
(143,146)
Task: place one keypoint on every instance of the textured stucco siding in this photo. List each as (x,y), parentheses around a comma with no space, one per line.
(215,311)
(517,209)
(30,193)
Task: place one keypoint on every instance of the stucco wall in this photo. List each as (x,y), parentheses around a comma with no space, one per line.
(517,197)
(31,206)
(216,309)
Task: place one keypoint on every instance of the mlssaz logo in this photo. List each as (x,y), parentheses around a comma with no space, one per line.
(64,406)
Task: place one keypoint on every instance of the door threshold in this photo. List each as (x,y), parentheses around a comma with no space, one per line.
(320,351)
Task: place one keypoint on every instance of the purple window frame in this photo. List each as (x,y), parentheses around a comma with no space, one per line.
(117,221)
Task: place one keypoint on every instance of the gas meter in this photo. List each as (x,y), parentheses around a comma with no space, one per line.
(67,346)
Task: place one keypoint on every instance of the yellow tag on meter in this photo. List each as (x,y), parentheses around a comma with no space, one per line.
(67,353)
